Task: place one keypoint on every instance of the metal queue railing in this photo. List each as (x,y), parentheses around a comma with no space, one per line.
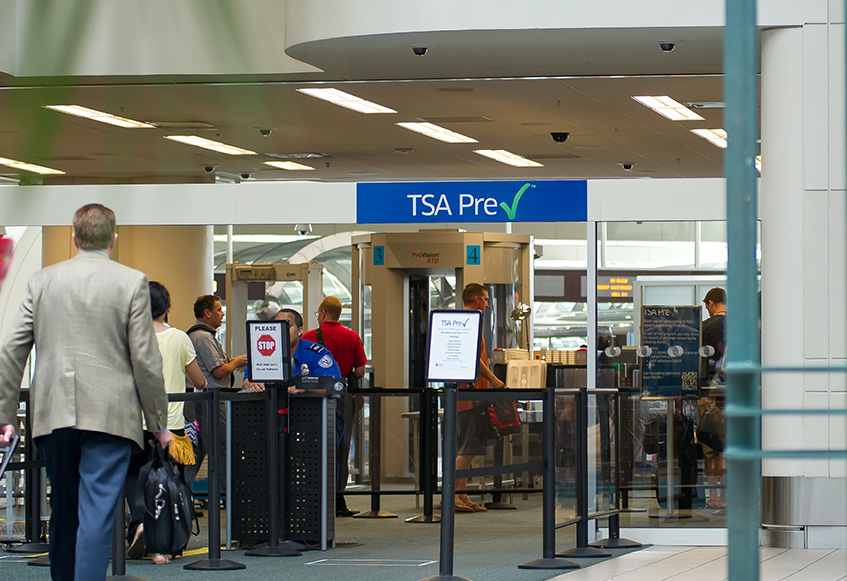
(427,482)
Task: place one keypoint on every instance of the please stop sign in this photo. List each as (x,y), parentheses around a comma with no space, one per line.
(266,345)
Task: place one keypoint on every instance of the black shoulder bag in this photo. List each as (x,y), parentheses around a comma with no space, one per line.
(169,519)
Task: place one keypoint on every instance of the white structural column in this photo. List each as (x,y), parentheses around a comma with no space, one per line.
(804,273)
(782,204)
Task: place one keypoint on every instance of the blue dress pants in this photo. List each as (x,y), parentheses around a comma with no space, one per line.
(87,472)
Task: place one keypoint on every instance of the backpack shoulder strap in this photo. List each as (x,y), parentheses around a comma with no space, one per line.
(196,328)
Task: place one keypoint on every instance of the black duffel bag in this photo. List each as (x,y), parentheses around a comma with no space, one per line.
(169,519)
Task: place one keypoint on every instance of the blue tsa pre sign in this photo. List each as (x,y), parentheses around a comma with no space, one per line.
(438,202)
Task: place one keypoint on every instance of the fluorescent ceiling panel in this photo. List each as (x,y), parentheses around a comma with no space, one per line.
(714,136)
(437,132)
(664,105)
(100,116)
(31,167)
(508,157)
(289,165)
(209,144)
(347,100)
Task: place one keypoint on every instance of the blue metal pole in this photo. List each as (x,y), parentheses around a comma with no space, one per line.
(744,474)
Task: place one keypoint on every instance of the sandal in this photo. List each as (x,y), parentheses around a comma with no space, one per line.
(477,508)
(137,548)
(463,508)
(159,559)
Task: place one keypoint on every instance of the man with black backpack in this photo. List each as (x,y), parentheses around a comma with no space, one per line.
(219,372)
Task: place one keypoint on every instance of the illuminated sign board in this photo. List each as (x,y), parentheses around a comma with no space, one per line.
(610,287)
(440,202)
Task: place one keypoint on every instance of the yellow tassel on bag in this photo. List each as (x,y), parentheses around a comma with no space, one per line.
(182,450)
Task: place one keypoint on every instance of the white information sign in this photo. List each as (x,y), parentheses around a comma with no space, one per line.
(267,350)
(454,343)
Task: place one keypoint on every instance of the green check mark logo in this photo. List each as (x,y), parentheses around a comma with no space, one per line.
(512,210)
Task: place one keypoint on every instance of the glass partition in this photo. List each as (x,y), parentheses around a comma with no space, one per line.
(666,442)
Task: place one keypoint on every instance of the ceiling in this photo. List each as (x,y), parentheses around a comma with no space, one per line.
(506,89)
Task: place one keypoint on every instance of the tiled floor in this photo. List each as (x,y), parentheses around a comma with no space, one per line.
(710,564)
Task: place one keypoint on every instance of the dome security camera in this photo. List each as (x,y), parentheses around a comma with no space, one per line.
(667,46)
(303,229)
(627,166)
(209,169)
(419,50)
(560,136)
(245,176)
(265,132)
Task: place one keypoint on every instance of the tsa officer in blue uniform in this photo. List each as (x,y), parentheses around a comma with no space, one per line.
(308,358)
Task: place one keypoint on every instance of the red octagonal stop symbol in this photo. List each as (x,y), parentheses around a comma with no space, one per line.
(266,345)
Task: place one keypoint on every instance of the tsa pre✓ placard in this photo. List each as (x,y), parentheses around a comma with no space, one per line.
(670,351)
(454,343)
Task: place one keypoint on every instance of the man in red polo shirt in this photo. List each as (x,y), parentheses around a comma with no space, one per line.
(347,350)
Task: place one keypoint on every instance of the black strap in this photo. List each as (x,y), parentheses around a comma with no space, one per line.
(320,335)
(200,328)
(196,328)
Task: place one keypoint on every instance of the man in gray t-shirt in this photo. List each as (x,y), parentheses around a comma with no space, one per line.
(218,370)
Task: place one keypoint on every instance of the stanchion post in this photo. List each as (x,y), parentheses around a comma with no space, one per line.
(582,549)
(374,462)
(428,435)
(118,544)
(214,562)
(448,486)
(548,514)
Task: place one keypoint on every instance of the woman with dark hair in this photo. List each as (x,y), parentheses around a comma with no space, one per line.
(178,360)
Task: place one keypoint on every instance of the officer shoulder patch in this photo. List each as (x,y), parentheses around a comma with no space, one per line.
(325,362)
(316,347)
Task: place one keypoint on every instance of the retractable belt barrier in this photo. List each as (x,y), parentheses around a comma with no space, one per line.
(428,476)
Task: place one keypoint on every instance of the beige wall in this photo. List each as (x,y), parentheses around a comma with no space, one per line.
(179,257)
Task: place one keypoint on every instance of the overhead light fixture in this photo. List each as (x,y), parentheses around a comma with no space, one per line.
(302,155)
(289,165)
(100,116)
(437,132)
(31,167)
(347,100)
(758,163)
(715,136)
(664,105)
(508,157)
(209,144)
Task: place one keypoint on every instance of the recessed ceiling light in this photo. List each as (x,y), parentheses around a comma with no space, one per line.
(95,115)
(437,132)
(289,165)
(664,105)
(29,167)
(209,144)
(347,100)
(715,136)
(508,157)
(759,163)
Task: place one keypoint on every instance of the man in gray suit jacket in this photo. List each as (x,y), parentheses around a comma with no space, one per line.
(98,368)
